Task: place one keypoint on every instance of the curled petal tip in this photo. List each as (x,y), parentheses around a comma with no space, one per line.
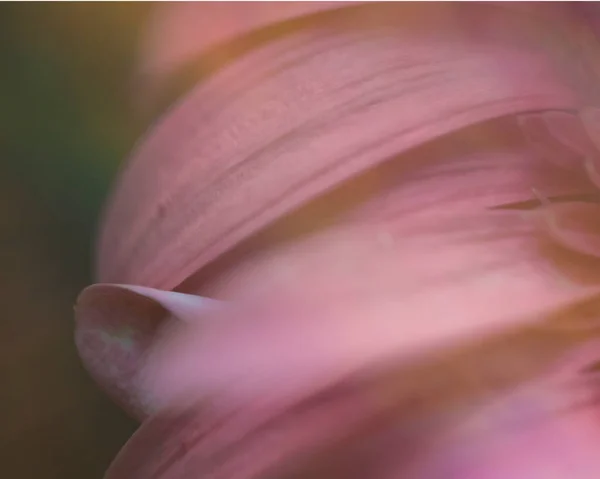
(117,325)
(186,307)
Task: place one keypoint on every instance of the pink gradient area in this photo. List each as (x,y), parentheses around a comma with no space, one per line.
(182,31)
(562,448)
(421,243)
(289,121)
(394,134)
(419,266)
(548,428)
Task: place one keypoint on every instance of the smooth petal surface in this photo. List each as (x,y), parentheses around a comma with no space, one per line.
(291,120)
(194,28)
(546,429)
(421,265)
(358,192)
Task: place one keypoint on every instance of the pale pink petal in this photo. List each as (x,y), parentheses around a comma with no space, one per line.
(116,325)
(358,191)
(294,118)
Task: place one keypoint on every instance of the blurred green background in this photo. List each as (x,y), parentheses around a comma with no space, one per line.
(65,127)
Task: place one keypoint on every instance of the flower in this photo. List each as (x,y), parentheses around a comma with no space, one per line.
(392,209)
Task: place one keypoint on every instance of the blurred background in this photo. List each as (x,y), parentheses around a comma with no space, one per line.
(65,126)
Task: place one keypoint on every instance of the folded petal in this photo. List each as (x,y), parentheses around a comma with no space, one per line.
(116,324)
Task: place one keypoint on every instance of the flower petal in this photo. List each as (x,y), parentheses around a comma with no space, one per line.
(116,324)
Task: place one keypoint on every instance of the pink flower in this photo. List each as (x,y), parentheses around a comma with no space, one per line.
(392,209)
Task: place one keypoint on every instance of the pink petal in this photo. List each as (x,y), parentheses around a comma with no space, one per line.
(116,325)
(414,107)
(289,121)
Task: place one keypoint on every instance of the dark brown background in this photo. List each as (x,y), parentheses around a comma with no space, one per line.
(64,128)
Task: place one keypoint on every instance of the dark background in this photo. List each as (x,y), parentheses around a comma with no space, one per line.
(65,125)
